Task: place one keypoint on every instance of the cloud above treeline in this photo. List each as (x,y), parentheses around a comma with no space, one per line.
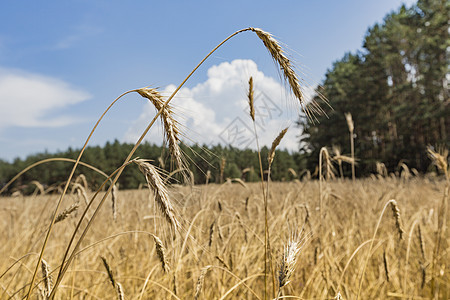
(216,110)
(34,100)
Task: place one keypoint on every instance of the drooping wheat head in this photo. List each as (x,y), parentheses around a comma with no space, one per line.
(397,217)
(439,159)
(381,169)
(161,252)
(66,212)
(278,55)
(171,126)
(326,162)
(156,184)
(81,192)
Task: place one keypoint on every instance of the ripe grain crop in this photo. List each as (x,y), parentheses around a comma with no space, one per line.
(348,226)
(349,240)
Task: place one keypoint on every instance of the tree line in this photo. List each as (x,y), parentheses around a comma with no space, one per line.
(215,164)
(396,89)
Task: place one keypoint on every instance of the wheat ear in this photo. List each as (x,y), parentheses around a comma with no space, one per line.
(114,198)
(421,241)
(211,233)
(47,278)
(120,293)
(156,184)
(397,217)
(171,126)
(161,252)
(386,266)
(201,281)
(439,159)
(109,271)
(288,262)
(65,213)
(277,53)
(250,99)
(275,144)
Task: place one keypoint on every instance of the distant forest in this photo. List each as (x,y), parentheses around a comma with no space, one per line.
(221,162)
(396,89)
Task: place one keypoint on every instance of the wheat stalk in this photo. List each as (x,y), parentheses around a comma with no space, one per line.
(381,169)
(116,285)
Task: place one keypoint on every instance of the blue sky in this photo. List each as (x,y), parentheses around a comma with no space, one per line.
(63,62)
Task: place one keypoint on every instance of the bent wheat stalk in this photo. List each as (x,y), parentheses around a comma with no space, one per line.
(66,187)
(64,267)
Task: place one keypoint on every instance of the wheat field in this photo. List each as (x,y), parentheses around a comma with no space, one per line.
(375,238)
(218,253)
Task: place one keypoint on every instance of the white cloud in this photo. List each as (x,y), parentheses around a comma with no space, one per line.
(216,111)
(31,100)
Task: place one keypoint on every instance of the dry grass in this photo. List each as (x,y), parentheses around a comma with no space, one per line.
(350,216)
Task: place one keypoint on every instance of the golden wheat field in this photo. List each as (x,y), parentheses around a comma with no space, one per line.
(353,251)
(382,237)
